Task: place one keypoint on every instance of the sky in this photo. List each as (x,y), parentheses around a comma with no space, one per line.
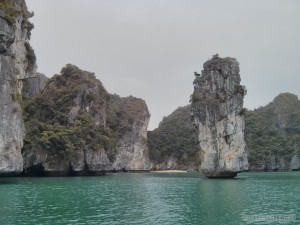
(151,48)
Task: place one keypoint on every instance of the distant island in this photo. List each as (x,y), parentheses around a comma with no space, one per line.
(272,135)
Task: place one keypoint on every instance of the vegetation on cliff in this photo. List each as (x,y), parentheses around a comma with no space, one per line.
(10,8)
(273,133)
(74,119)
(47,116)
(10,13)
(122,112)
(175,137)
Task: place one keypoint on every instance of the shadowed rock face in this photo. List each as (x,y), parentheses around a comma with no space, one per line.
(217,107)
(7,34)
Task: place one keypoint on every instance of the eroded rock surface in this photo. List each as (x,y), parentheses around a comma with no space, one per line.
(17,61)
(75,127)
(217,112)
(295,163)
(131,128)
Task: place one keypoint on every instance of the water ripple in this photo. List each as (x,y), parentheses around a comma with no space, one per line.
(148,199)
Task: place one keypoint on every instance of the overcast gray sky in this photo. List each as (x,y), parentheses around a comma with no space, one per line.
(151,48)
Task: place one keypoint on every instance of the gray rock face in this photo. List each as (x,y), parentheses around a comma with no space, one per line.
(295,162)
(7,34)
(217,104)
(88,96)
(34,85)
(97,131)
(170,164)
(13,68)
(132,149)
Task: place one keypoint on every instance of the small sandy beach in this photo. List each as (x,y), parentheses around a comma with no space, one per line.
(169,171)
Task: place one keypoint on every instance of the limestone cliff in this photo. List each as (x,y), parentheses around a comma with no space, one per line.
(217,107)
(74,126)
(33,85)
(174,144)
(128,118)
(273,134)
(17,62)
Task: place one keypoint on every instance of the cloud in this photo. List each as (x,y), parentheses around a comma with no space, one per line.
(150,48)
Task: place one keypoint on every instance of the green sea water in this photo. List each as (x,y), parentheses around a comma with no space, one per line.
(152,198)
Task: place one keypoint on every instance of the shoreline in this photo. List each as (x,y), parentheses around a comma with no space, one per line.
(169,171)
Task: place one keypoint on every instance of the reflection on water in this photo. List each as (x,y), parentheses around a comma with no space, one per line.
(151,198)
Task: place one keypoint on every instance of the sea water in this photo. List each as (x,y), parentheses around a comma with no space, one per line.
(152,198)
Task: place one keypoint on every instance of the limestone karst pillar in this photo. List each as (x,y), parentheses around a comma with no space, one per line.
(217,112)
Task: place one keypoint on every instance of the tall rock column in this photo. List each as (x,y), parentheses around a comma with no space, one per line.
(217,112)
(17,62)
